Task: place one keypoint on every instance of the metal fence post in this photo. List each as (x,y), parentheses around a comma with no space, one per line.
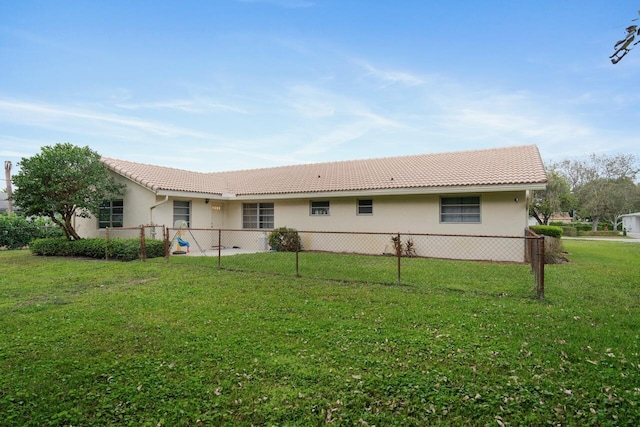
(143,246)
(106,244)
(399,255)
(297,252)
(219,247)
(165,238)
(541,244)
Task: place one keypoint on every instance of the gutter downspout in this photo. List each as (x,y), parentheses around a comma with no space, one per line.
(166,199)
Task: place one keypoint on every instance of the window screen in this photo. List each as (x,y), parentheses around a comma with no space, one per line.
(460,209)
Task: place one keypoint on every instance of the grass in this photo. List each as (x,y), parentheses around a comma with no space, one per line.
(149,343)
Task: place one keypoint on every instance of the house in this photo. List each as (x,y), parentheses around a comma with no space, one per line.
(4,202)
(479,192)
(563,217)
(631,222)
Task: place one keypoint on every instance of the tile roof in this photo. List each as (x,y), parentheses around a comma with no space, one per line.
(518,165)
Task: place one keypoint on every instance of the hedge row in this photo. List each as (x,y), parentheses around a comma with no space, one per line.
(585,226)
(118,249)
(599,233)
(575,232)
(547,230)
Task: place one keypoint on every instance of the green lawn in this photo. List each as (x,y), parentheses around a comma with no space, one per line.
(184,343)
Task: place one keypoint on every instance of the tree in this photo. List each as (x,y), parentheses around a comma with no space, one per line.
(623,198)
(602,184)
(580,172)
(593,199)
(557,197)
(622,47)
(61,182)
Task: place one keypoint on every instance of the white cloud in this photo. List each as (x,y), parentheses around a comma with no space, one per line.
(390,77)
(54,116)
(184,105)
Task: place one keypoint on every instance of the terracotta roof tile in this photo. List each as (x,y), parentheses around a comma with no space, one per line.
(499,166)
(165,178)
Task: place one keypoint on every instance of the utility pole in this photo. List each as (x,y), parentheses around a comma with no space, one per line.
(7,172)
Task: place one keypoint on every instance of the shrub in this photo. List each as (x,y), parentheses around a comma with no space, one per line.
(547,230)
(155,248)
(406,249)
(119,249)
(569,231)
(553,251)
(51,247)
(285,239)
(16,231)
(588,226)
(557,223)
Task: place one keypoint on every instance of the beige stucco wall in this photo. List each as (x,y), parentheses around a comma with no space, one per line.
(136,209)
(501,215)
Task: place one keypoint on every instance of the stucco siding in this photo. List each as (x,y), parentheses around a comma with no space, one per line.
(137,201)
(500,215)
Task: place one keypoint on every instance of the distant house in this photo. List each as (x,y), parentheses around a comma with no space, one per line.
(564,217)
(631,222)
(4,202)
(480,192)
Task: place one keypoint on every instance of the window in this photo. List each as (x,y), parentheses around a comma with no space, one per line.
(182,211)
(365,207)
(320,208)
(460,209)
(111,214)
(257,215)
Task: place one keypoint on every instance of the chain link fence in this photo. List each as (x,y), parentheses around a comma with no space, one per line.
(377,257)
(143,233)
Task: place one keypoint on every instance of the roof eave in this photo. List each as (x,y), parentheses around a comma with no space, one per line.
(189,194)
(392,191)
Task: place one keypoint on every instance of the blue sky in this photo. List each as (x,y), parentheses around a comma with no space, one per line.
(237,84)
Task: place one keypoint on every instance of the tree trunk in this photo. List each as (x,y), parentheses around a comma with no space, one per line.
(537,217)
(72,232)
(595,219)
(61,225)
(616,222)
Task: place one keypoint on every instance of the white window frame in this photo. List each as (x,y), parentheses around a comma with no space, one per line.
(320,208)
(262,217)
(182,211)
(460,210)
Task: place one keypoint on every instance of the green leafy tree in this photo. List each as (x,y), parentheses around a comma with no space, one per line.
(593,198)
(623,198)
(602,185)
(557,197)
(607,199)
(61,182)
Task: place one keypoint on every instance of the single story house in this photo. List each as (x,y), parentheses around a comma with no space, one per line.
(4,202)
(631,222)
(477,192)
